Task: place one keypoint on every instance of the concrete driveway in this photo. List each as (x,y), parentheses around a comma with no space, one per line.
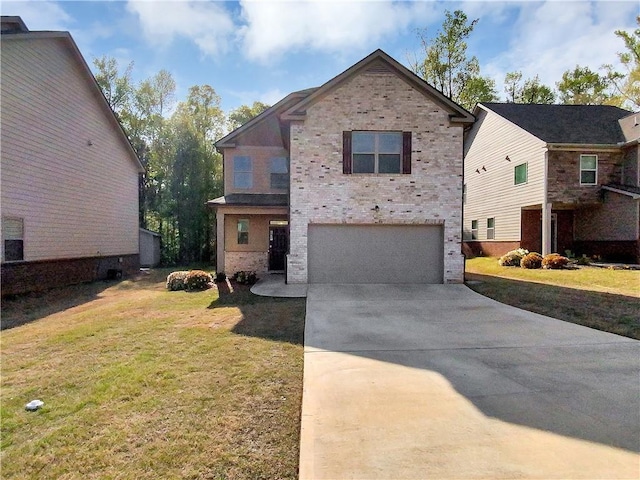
(436,381)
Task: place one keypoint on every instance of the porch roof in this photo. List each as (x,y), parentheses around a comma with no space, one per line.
(629,190)
(251,200)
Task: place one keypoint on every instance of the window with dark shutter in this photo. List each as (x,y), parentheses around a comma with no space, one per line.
(376,152)
(406,152)
(346,152)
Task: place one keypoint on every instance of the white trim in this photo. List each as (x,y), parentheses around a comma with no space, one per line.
(588,169)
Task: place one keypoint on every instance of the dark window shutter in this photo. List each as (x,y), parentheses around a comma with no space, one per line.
(346,152)
(406,152)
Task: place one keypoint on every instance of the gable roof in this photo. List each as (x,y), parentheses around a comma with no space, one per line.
(228,140)
(631,127)
(379,59)
(565,124)
(65,37)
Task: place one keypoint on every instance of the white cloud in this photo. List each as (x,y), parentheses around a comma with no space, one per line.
(275,27)
(39,15)
(208,24)
(551,37)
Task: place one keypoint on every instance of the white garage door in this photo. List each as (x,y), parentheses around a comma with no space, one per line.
(375,253)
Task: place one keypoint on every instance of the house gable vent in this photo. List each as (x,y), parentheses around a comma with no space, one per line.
(378,68)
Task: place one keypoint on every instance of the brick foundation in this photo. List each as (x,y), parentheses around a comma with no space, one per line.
(23,277)
(488,249)
(245,261)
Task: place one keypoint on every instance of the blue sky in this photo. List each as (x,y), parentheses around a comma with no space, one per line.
(262,50)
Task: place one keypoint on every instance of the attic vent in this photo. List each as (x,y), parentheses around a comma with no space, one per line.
(378,68)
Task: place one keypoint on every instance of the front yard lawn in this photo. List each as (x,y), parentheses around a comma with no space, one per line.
(139,382)
(600,298)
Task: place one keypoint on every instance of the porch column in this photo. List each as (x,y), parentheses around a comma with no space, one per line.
(546,229)
(219,241)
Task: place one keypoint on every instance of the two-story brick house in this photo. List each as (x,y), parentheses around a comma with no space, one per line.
(552,178)
(357,181)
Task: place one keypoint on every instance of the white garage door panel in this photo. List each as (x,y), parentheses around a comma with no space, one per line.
(375,253)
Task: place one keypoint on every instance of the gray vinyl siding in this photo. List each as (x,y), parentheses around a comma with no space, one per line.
(77,200)
(492,193)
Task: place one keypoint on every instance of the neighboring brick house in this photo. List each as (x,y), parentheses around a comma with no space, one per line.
(69,174)
(357,181)
(551,178)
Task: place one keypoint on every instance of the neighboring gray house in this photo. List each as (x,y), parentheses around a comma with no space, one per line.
(69,187)
(357,181)
(551,178)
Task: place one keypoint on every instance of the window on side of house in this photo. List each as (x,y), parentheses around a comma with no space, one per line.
(491,228)
(242,172)
(243,232)
(588,169)
(474,229)
(520,174)
(279,173)
(376,152)
(13,239)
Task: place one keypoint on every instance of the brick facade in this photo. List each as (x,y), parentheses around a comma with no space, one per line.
(564,176)
(23,277)
(321,193)
(246,261)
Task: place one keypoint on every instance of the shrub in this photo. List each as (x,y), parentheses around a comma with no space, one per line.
(554,261)
(531,260)
(246,278)
(583,260)
(512,258)
(220,277)
(175,280)
(197,280)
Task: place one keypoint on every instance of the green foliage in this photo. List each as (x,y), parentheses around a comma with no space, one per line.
(554,261)
(532,91)
(183,170)
(197,280)
(531,260)
(175,280)
(446,66)
(512,258)
(244,113)
(245,277)
(583,86)
(627,85)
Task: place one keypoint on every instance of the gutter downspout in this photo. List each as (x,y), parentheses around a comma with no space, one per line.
(546,207)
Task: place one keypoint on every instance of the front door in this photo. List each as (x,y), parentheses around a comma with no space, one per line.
(277,247)
(554,233)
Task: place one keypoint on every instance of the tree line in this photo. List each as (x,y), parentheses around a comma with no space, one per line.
(445,64)
(175,140)
(175,143)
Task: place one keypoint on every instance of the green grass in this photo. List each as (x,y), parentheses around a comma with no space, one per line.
(139,382)
(600,298)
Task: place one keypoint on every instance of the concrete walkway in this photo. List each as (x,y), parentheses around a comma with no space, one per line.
(272,285)
(436,381)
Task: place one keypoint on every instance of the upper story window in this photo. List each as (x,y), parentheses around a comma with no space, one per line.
(279,173)
(520,174)
(242,172)
(588,169)
(376,152)
(13,239)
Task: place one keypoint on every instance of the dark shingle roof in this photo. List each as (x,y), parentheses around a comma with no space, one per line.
(252,200)
(589,124)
